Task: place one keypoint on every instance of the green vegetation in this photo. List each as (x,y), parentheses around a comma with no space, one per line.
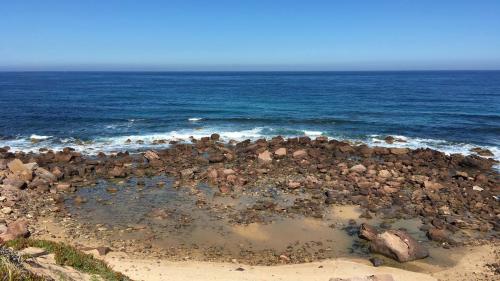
(70,256)
(12,270)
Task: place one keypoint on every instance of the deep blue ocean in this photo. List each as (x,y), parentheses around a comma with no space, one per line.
(448,110)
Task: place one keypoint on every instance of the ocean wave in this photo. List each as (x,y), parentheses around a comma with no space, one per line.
(195,119)
(38,137)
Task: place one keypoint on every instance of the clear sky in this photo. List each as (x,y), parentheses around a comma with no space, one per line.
(249,35)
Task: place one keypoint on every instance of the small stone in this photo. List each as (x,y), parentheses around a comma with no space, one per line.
(384,174)
(477,188)
(377,261)
(358,168)
(280,152)
(103,250)
(299,154)
(7,210)
(265,156)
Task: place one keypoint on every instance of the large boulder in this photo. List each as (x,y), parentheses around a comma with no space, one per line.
(17,229)
(398,245)
(265,157)
(45,175)
(21,171)
(151,155)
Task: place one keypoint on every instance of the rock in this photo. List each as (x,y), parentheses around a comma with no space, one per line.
(17,183)
(293,184)
(216,157)
(215,137)
(39,184)
(228,172)
(151,155)
(482,152)
(63,187)
(399,151)
(377,261)
(45,175)
(367,232)
(398,245)
(433,185)
(476,162)
(358,168)
(477,188)
(103,250)
(7,210)
(384,174)
(117,172)
(187,173)
(16,166)
(280,152)
(265,156)
(439,235)
(389,139)
(17,229)
(20,170)
(299,154)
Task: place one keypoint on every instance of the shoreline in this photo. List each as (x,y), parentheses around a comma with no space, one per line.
(235,193)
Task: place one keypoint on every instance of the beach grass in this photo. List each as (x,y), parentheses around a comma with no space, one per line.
(66,255)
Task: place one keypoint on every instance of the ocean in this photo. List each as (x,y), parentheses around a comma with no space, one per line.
(452,111)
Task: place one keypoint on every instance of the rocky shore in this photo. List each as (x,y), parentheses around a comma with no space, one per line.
(455,197)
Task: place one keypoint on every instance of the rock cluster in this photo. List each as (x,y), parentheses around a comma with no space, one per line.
(448,192)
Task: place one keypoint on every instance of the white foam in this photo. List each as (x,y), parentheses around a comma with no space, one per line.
(38,137)
(194,119)
(313,133)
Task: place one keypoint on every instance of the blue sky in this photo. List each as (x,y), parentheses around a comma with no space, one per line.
(249,35)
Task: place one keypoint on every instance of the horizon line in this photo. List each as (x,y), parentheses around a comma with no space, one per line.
(250,70)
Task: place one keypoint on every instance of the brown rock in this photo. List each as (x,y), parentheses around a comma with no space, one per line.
(389,139)
(215,137)
(384,174)
(187,173)
(14,182)
(367,232)
(265,156)
(63,187)
(21,171)
(45,175)
(439,235)
(103,250)
(358,168)
(399,245)
(118,172)
(216,157)
(299,154)
(151,155)
(280,152)
(399,151)
(17,229)
(482,152)
(432,185)
(293,184)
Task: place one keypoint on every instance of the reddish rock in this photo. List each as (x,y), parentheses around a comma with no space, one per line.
(280,152)
(17,229)
(299,154)
(265,156)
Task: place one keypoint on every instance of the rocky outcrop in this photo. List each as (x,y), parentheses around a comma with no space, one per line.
(398,245)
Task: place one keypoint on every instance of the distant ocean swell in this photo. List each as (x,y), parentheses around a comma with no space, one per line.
(140,142)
